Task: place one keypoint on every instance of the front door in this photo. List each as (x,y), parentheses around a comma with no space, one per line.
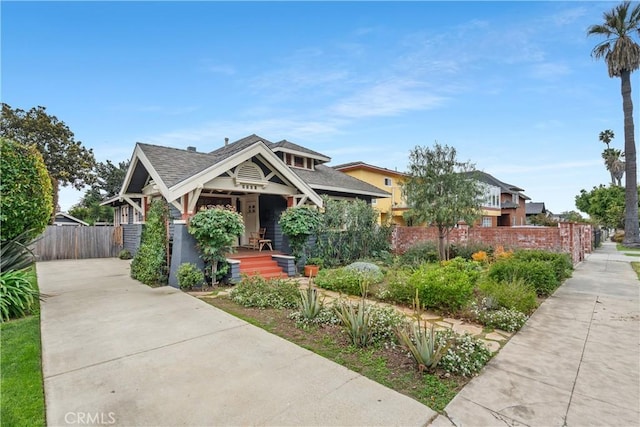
(250,210)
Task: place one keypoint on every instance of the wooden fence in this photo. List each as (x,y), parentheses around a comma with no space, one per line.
(78,242)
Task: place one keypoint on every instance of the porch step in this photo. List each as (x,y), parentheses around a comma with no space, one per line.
(261,266)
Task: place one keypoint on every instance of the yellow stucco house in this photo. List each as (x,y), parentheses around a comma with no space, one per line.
(499,205)
(390,208)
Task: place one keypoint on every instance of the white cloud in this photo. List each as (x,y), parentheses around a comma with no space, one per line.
(549,70)
(388,98)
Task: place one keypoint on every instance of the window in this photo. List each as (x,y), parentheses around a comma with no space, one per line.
(298,161)
(486,221)
(374,201)
(387,182)
(515,198)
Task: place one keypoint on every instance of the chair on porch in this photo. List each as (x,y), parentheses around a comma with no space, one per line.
(258,241)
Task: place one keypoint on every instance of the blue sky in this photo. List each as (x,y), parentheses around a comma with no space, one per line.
(510,85)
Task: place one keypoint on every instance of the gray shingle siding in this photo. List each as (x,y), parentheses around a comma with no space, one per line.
(131,234)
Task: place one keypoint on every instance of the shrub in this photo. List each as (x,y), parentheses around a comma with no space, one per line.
(514,294)
(215,230)
(340,280)
(466,251)
(349,231)
(539,274)
(125,254)
(368,270)
(189,275)
(298,224)
(419,254)
(26,204)
(326,316)
(256,291)
(383,322)
(503,318)
(446,288)
(17,293)
(465,356)
(150,263)
(561,262)
(618,237)
(399,289)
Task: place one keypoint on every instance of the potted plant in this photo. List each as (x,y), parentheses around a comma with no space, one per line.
(312,266)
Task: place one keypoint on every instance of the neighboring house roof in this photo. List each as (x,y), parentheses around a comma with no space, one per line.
(504,187)
(63,218)
(535,208)
(362,165)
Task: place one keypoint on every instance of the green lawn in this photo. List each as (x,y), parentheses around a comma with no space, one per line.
(21,389)
(636,268)
(622,248)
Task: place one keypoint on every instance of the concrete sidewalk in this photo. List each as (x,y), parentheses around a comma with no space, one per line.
(575,363)
(116,352)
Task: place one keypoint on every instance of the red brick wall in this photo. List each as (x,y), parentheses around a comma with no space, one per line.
(571,238)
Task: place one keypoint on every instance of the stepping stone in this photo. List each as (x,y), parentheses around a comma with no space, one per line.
(492,346)
(471,329)
(493,336)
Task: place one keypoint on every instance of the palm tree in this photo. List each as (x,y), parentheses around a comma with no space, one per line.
(612,157)
(622,56)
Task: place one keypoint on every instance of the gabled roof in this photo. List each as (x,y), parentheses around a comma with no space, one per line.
(491,180)
(177,171)
(329,179)
(71,218)
(362,165)
(535,208)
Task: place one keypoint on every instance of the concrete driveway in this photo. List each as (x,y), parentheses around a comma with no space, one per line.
(116,352)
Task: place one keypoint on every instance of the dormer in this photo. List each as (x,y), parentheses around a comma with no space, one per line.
(299,157)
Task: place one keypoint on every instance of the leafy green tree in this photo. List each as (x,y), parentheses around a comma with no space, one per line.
(108,180)
(150,263)
(572,216)
(109,177)
(215,230)
(605,205)
(68,162)
(441,191)
(25,204)
(622,56)
(298,224)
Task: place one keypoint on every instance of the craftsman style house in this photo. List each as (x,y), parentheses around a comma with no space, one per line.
(257,177)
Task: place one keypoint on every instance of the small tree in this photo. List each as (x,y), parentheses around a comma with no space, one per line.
(26,201)
(441,191)
(150,263)
(605,205)
(215,230)
(298,224)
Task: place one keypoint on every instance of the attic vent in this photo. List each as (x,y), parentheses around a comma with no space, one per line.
(191,148)
(249,173)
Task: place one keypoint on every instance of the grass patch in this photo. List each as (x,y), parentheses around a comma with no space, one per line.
(387,365)
(620,247)
(636,267)
(632,253)
(22,399)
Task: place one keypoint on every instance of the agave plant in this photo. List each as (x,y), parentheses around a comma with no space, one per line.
(421,341)
(310,303)
(356,321)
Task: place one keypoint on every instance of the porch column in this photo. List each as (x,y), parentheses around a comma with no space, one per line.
(185,207)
